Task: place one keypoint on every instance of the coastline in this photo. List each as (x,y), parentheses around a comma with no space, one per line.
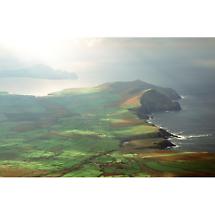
(164,134)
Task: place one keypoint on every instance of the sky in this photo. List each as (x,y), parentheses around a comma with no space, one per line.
(165,61)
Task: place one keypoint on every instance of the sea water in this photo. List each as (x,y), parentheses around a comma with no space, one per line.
(194,124)
(39,87)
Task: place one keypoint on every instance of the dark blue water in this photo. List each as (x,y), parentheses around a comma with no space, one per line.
(195,124)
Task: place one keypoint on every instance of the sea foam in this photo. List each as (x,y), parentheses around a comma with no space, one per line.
(185,137)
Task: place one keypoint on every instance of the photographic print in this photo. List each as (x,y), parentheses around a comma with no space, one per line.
(108,107)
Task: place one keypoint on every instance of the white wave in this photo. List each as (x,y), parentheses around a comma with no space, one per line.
(200,135)
(182,137)
(185,137)
(149,121)
(183,97)
(176,146)
(179,133)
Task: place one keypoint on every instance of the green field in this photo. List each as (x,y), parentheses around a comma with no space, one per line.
(89,132)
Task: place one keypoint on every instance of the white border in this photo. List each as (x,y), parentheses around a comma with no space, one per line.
(154,18)
(107,196)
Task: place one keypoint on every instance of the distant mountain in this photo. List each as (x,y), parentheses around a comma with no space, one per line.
(39,71)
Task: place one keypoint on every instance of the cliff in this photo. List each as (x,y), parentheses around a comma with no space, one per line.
(153,101)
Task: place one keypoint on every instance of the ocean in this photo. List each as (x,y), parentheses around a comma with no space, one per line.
(194,124)
(38,87)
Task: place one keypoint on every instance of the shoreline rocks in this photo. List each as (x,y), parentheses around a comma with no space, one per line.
(165,134)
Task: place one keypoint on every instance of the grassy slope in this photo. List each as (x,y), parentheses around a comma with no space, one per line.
(80,133)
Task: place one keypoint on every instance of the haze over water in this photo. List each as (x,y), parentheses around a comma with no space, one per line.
(39,87)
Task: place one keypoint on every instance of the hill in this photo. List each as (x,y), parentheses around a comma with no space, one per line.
(154,101)
(90,132)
